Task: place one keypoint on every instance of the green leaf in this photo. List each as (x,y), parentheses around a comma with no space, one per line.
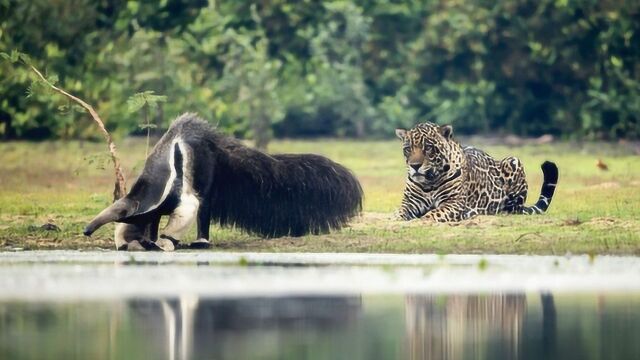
(153,100)
(616,61)
(15,56)
(25,58)
(53,79)
(138,100)
(135,103)
(29,91)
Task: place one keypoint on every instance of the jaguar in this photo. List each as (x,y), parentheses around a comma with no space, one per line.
(448,182)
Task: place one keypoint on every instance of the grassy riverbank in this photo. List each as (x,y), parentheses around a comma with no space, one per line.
(594,211)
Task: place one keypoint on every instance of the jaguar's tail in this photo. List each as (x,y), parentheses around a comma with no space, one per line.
(550,172)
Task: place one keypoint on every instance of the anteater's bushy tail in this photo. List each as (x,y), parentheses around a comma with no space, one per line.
(283,195)
(550,172)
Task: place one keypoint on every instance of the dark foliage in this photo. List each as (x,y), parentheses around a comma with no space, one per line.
(331,68)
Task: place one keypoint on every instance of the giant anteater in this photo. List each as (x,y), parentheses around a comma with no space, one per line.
(194,172)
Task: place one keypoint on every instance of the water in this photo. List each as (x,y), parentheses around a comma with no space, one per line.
(66,305)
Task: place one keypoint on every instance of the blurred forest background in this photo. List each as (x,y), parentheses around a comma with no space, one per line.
(312,68)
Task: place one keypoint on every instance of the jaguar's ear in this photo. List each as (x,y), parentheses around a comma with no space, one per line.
(446,131)
(401,133)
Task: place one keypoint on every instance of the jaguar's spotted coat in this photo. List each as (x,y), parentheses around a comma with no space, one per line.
(448,182)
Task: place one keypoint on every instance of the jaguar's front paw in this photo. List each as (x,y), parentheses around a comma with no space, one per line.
(397,216)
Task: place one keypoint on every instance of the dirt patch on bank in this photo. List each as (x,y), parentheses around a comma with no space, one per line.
(387,221)
(609,222)
(605,185)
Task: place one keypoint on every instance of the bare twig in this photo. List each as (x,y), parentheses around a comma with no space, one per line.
(120,186)
(536,233)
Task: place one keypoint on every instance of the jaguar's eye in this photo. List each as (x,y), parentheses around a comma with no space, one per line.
(428,148)
(406,151)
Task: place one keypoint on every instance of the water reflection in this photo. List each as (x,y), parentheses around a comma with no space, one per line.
(238,328)
(465,326)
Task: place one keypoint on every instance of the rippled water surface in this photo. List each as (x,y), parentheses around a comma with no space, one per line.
(275,308)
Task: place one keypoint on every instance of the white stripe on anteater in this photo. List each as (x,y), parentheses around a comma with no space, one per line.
(185,214)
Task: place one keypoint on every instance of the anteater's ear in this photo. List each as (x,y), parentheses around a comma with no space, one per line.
(401,133)
(446,131)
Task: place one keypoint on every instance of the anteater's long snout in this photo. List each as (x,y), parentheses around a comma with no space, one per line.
(118,211)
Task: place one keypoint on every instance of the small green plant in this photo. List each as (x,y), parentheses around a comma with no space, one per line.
(99,160)
(483,264)
(243,261)
(145,101)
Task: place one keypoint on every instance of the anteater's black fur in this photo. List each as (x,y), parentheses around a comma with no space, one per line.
(268,195)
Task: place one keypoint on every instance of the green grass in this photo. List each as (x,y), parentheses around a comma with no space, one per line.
(593,211)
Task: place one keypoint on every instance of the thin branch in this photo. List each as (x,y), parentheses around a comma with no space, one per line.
(146,120)
(120,186)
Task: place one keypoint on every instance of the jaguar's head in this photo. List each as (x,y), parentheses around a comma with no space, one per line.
(430,152)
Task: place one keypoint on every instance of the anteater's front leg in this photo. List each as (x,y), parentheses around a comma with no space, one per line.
(204,220)
(140,236)
(152,229)
(181,218)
